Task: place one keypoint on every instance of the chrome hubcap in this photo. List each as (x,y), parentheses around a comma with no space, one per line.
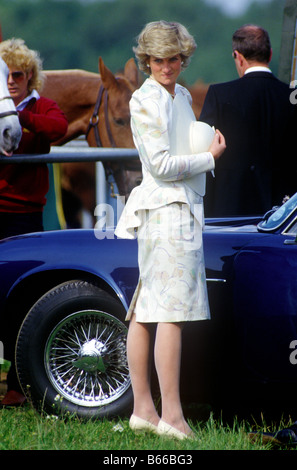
(91,357)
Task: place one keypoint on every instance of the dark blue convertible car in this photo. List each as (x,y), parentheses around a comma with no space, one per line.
(66,293)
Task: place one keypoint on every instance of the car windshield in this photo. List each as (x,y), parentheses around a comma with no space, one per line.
(274,218)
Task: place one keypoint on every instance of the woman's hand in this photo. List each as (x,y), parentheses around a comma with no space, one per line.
(218,145)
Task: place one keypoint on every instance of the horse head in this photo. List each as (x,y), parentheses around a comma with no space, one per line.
(111,115)
(10,129)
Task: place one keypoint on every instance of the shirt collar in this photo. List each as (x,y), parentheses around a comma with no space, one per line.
(177,85)
(257,68)
(23,104)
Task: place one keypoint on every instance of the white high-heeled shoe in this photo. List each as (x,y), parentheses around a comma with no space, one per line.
(165,429)
(138,424)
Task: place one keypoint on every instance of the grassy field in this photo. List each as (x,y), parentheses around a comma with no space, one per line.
(25,429)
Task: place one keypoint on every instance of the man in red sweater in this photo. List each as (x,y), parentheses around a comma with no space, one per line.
(23,187)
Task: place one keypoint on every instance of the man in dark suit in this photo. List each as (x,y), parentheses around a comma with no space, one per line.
(258,121)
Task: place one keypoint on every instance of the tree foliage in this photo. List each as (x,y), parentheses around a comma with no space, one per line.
(73,34)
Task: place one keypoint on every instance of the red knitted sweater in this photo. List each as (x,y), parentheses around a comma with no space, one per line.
(23,186)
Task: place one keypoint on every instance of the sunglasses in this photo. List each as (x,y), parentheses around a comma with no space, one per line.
(17,76)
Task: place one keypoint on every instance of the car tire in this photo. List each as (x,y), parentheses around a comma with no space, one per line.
(71,353)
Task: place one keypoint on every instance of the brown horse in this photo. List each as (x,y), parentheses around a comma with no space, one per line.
(97,106)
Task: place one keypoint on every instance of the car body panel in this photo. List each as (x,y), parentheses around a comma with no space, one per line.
(72,250)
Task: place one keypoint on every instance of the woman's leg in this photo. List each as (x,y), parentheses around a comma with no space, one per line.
(167,359)
(138,353)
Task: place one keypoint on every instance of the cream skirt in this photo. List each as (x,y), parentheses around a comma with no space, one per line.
(172,284)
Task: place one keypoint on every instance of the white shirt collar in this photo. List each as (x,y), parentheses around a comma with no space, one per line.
(23,104)
(178,87)
(257,68)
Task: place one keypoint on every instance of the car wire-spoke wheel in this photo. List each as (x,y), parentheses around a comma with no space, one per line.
(85,358)
(71,353)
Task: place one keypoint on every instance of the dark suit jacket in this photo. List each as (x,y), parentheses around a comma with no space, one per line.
(259,166)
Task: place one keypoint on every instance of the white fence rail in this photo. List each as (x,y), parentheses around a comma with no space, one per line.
(74,154)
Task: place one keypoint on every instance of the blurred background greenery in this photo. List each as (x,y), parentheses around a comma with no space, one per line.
(74,33)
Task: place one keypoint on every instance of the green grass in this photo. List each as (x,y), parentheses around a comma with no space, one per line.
(25,429)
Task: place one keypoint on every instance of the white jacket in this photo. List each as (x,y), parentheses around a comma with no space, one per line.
(164,175)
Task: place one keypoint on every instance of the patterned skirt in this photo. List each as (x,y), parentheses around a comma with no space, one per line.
(172,283)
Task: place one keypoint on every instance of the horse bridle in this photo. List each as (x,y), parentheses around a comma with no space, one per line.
(94,120)
(7,113)
(93,124)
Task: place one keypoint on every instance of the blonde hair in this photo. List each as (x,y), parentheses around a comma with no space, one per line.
(164,39)
(17,55)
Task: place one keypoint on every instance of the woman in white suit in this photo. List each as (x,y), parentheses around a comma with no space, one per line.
(166,214)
